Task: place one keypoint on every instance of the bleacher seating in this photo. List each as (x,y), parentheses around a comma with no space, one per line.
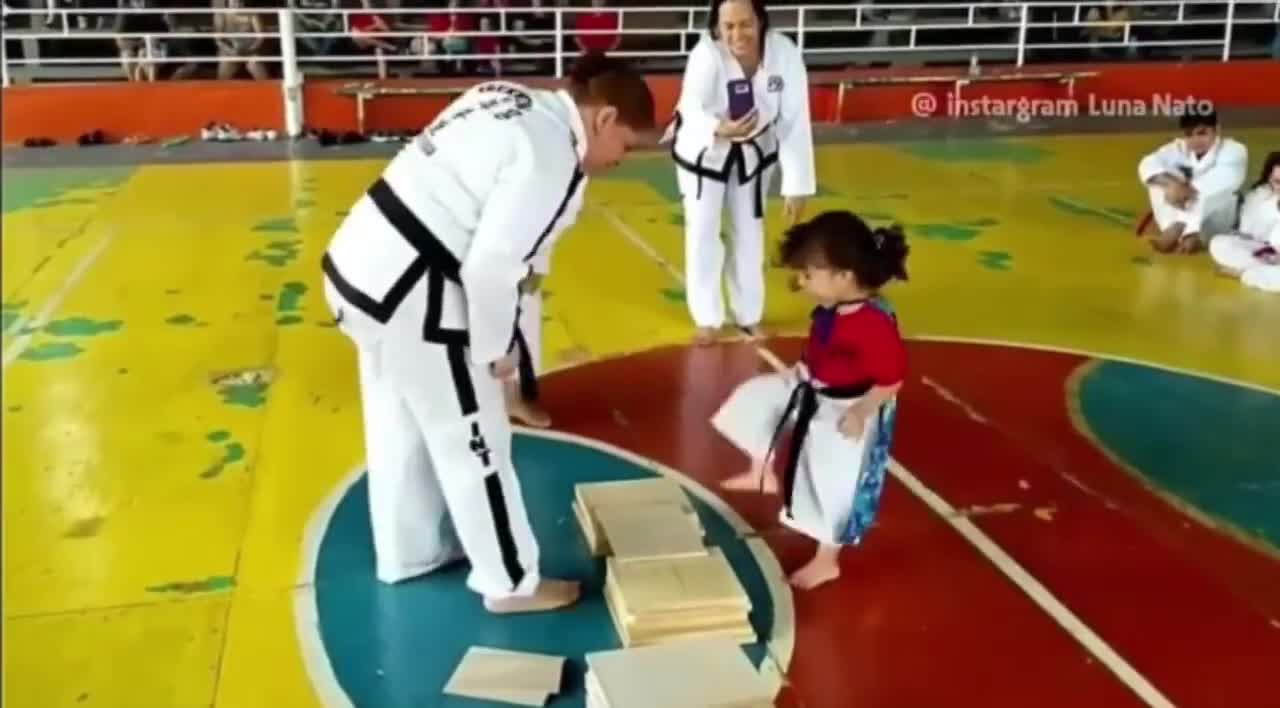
(77,39)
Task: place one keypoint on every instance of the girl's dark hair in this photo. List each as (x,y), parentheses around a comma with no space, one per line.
(1268,166)
(602,80)
(713,17)
(842,241)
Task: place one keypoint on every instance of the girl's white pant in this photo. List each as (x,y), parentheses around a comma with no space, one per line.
(830,466)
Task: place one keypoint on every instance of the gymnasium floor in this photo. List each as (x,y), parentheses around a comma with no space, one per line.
(1083,510)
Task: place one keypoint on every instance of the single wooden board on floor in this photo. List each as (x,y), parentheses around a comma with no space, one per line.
(520,678)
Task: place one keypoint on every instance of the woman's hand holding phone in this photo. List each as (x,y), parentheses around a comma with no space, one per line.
(740,128)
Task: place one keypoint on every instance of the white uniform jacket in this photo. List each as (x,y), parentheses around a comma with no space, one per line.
(1260,216)
(1220,172)
(472,204)
(783,136)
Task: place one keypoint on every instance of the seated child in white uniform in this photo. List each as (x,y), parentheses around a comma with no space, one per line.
(841,394)
(1192,183)
(1251,254)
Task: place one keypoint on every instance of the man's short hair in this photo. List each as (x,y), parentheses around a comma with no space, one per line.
(1195,118)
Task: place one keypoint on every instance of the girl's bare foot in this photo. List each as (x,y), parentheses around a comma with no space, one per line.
(823,568)
(550,595)
(750,481)
(706,336)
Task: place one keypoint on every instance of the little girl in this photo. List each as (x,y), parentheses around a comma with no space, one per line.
(841,393)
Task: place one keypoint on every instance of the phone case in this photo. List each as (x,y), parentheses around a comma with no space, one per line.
(741,98)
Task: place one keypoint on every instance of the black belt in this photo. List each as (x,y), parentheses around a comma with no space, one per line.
(735,158)
(804,402)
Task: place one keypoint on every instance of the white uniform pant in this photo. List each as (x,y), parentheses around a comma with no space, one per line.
(1205,217)
(1235,253)
(531,327)
(441,481)
(705,260)
(830,467)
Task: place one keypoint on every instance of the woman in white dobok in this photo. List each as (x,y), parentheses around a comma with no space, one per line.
(726,151)
(1253,252)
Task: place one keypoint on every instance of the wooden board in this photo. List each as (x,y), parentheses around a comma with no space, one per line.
(687,674)
(650,531)
(589,532)
(692,583)
(592,497)
(652,629)
(508,676)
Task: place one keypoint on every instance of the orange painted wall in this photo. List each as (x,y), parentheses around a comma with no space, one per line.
(164,109)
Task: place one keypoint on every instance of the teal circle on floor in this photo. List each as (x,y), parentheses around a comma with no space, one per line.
(1209,443)
(397,646)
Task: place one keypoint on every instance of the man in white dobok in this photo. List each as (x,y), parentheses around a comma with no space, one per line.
(1193,183)
(425,276)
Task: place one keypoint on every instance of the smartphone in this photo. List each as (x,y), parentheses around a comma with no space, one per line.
(741,98)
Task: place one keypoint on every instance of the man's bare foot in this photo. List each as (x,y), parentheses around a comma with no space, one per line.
(550,595)
(1190,243)
(531,414)
(1167,241)
(815,573)
(706,336)
(750,481)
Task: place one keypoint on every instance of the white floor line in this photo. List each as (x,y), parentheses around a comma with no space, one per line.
(51,306)
(1020,577)
(638,241)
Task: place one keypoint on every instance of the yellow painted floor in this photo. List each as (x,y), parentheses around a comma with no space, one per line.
(176,406)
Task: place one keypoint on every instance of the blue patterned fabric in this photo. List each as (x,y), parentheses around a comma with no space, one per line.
(866,501)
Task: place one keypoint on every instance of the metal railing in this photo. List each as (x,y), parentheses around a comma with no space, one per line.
(993,31)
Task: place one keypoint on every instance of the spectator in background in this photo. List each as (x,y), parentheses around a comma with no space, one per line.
(443,30)
(138,54)
(237,49)
(605,22)
(365,28)
(490,44)
(322,18)
(1106,38)
(536,19)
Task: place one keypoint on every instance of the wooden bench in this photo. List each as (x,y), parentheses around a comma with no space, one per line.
(365,91)
(1067,78)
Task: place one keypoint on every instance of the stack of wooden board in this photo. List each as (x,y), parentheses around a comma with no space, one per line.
(656,601)
(662,583)
(595,501)
(685,674)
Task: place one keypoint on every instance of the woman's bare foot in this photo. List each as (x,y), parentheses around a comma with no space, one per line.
(706,336)
(753,332)
(750,481)
(823,568)
(550,595)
